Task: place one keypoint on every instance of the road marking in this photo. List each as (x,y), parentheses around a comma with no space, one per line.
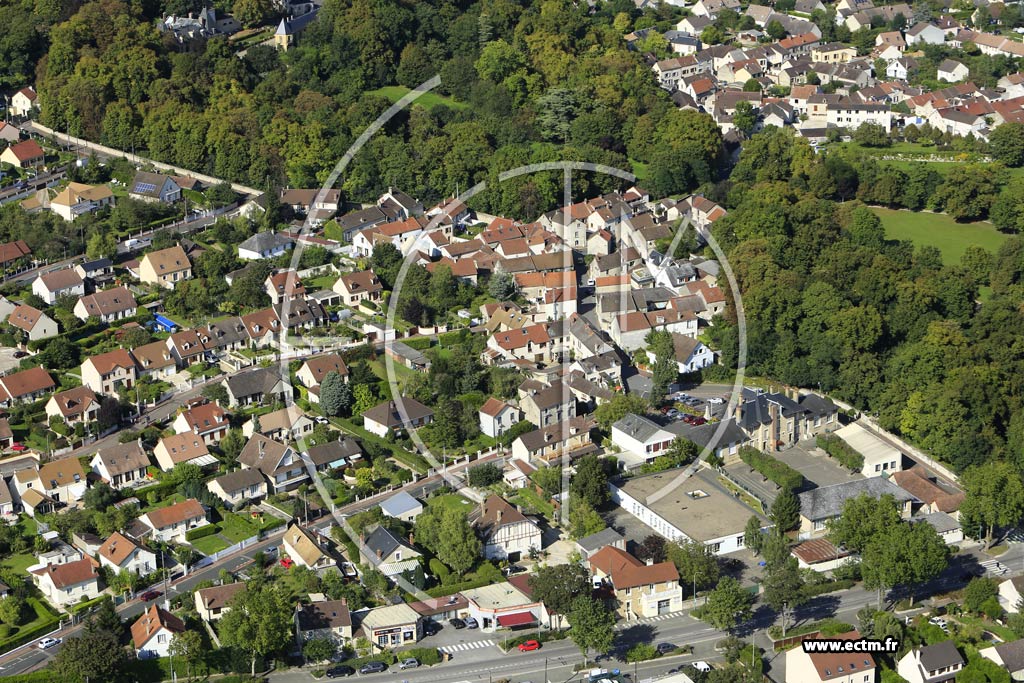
(994,566)
(462,647)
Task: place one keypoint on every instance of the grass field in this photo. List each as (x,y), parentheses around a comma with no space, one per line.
(208,545)
(451,500)
(427,100)
(939,230)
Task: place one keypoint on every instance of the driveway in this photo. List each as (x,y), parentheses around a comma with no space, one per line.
(7,359)
(818,468)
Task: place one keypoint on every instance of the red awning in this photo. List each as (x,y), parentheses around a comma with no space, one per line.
(516,619)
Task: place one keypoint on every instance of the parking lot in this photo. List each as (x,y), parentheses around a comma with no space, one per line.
(816,467)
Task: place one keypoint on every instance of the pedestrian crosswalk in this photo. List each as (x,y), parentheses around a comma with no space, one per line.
(462,647)
(1015,536)
(994,567)
(661,617)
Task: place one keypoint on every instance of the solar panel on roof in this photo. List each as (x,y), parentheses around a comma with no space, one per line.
(142,188)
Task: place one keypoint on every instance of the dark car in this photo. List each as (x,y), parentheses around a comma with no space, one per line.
(431,628)
(373,668)
(457,623)
(340,671)
(665,648)
(150,595)
(19,354)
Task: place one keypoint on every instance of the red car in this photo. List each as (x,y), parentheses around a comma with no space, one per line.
(287,562)
(150,595)
(529,646)
(17,446)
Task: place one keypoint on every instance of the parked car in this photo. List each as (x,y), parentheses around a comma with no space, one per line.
(529,646)
(698,421)
(457,623)
(702,666)
(431,628)
(515,569)
(321,420)
(150,595)
(16,446)
(340,672)
(410,663)
(665,648)
(471,622)
(716,401)
(19,354)
(373,668)
(940,622)
(46,643)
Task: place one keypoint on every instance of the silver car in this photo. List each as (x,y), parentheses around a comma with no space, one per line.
(410,663)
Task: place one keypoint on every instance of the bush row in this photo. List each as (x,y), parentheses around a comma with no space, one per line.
(201,532)
(841,451)
(775,470)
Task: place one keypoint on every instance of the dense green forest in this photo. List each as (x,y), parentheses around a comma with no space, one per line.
(524,83)
(830,302)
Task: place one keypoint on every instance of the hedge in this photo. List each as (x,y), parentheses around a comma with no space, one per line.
(427,656)
(775,470)
(201,532)
(541,637)
(419,343)
(811,591)
(841,451)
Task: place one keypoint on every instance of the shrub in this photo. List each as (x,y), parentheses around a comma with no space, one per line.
(841,451)
(777,471)
(641,653)
(438,570)
(201,532)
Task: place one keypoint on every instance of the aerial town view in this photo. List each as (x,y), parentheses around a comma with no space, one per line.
(511,341)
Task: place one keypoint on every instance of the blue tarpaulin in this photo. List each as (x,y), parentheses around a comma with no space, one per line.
(166,323)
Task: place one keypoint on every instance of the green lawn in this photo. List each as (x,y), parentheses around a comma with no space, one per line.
(208,545)
(427,100)
(19,563)
(236,528)
(529,499)
(939,230)
(451,500)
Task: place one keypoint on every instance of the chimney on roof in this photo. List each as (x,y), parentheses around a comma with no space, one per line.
(380,553)
(500,514)
(412,539)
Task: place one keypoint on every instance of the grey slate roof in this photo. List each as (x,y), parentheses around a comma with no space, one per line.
(382,542)
(253,382)
(599,540)
(940,655)
(637,427)
(1012,655)
(265,241)
(332,451)
(239,479)
(827,501)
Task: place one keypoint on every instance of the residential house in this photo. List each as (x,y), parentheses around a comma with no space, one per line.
(314,370)
(531,343)
(398,206)
(264,245)
(305,548)
(952,71)
(166,267)
(926,34)
(170,523)
(108,305)
(506,532)
(324,619)
(358,287)
(824,503)
(9,133)
(32,322)
(109,372)
(122,465)
(517,473)
(388,552)
(239,488)
(79,404)
(214,602)
(187,347)
(154,360)
(284,286)
(287,424)
(14,254)
(545,405)
(300,314)
(392,626)
(936,663)
(641,590)
(640,440)
(833,53)
(282,466)
(77,199)
(24,102)
(901,69)
(1009,656)
(340,453)
(851,115)
(497,417)
(570,439)
(186,447)
(819,667)
(57,283)
(259,386)
(934,497)
(26,385)
(773,420)
(401,506)
(61,480)
(24,154)
(153,632)
(67,584)
(354,222)
(154,187)
(712,8)
(630,330)
(391,416)
(414,359)
(96,269)
(691,355)
(120,553)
